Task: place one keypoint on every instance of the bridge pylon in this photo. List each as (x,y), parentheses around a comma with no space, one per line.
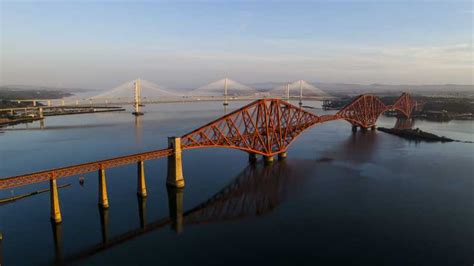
(138,98)
(226,102)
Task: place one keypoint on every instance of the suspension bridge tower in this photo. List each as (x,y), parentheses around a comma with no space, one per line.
(138,99)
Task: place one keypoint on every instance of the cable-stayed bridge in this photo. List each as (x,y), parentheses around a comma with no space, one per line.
(126,91)
(138,92)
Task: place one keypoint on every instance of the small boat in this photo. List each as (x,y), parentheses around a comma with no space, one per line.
(81,180)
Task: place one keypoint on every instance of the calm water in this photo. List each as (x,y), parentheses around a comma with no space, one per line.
(340,198)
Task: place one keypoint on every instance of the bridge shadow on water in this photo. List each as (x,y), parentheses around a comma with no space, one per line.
(258,190)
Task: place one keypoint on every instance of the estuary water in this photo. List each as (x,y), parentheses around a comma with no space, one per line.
(367,198)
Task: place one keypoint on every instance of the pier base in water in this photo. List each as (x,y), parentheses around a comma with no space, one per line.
(252,157)
(141,184)
(282,156)
(268,159)
(103,198)
(54,197)
(175,168)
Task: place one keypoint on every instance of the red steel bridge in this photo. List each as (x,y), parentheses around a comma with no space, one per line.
(266,127)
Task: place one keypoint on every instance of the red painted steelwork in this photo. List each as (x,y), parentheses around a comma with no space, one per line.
(265,127)
(268,126)
(56,173)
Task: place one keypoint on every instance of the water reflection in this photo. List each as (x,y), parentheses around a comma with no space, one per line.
(404,123)
(359,147)
(104,223)
(142,211)
(1,249)
(256,191)
(138,130)
(57,238)
(175,204)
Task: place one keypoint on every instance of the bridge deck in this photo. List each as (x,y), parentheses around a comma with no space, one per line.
(46,175)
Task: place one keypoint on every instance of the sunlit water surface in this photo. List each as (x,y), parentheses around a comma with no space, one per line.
(366,198)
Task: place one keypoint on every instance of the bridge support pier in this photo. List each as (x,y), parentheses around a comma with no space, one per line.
(141,184)
(252,157)
(268,159)
(175,167)
(354,128)
(363,129)
(54,197)
(175,204)
(103,198)
(282,156)
(373,127)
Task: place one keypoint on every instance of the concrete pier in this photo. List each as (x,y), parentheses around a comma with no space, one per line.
(373,127)
(41,114)
(175,204)
(141,184)
(354,128)
(282,156)
(268,159)
(252,157)
(54,197)
(103,198)
(175,168)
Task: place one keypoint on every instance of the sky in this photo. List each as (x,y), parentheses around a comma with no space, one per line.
(186,44)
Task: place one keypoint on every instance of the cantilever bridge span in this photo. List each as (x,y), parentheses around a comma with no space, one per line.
(266,127)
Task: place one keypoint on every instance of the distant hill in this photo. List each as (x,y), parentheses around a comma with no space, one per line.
(385,89)
(39,88)
(11,94)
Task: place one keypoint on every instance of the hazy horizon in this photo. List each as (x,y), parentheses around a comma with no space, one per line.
(99,45)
